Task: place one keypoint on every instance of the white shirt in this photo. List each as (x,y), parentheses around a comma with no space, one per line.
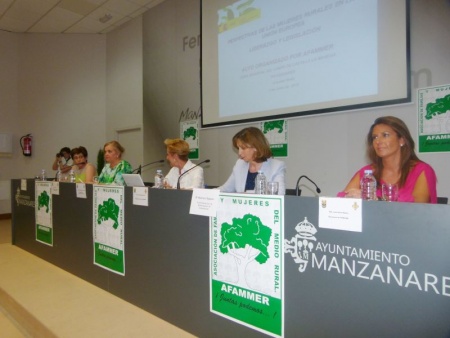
(193,179)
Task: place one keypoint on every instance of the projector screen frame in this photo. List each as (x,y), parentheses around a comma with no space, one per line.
(406,98)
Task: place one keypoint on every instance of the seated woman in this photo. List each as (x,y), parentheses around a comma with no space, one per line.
(177,156)
(63,162)
(84,171)
(390,148)
(254,155)
(114,166)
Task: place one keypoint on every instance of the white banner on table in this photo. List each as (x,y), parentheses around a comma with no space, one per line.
(44,212)
(109,228)
(247,261)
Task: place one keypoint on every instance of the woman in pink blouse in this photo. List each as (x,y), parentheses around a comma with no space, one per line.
(390,149)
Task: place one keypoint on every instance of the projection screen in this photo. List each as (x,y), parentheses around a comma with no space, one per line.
(266,59)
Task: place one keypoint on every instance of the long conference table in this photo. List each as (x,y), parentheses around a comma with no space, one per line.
(392,279)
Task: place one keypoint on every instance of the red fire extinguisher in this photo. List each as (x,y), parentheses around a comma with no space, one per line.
(26,144)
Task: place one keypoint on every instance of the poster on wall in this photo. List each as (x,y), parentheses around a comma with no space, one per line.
(247,261)
(43,211)
(276,133)
(189,133)
(109,228)
(434,119)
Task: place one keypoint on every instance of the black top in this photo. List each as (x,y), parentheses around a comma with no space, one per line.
(250,183)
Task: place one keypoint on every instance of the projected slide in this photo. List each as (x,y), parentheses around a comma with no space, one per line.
(278,53)
(266,59)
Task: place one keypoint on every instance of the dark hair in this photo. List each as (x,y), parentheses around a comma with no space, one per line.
(253,137)
(64,150)
(79,150)
(179,147)
(408,155)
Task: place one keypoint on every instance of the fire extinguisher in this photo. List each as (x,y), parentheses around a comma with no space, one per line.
(26,144)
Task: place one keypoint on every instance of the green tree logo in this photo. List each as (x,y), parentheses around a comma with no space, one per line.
(246,240)
(108,210)
(43,200)
(272,125)
(440,106)
(190,132)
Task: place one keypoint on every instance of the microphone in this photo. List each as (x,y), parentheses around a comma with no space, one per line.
(195,166)
(138,170)
(298,192)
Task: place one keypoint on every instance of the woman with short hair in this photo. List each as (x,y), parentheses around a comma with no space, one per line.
(114,166)
(177,156)
(83,170)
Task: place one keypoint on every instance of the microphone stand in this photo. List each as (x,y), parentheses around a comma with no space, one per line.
(298,191)
(195,166)
(138,170)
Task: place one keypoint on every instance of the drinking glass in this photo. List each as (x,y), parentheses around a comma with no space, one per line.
(272,188)
(389,192)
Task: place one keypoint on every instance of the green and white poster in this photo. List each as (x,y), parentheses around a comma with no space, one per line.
(189,133)
(43,210)
(276,133)
(434,119)
(246,261)
(109,228)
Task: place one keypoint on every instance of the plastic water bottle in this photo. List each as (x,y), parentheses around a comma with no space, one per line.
(368,186)
(58,176)
(159,179)
(260,183)
(72,176)
(43,176)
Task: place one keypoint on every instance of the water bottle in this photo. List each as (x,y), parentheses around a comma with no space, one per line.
(43,176)
(368,186)
(260,183)
(58,176)
(72,176)
(159,179)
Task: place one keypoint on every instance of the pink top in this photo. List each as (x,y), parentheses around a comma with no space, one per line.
(405,192)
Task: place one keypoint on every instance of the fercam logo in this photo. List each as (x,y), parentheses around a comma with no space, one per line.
(302,244)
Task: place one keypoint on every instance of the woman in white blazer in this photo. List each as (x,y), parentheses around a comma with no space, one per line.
(254,155)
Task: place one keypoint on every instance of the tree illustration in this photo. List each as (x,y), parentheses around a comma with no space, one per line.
(108,210)
(440,106)
(246,240)
(43,201)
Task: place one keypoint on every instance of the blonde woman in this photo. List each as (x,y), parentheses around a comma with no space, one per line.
(115,166)
(177,156)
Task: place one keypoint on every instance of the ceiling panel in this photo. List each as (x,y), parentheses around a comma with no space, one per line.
(69,16)
(56,21)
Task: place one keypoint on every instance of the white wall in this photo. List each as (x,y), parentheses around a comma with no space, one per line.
(124,103)
(68,90)
(61,92)
(8,109)
(52,86)
(328,148)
